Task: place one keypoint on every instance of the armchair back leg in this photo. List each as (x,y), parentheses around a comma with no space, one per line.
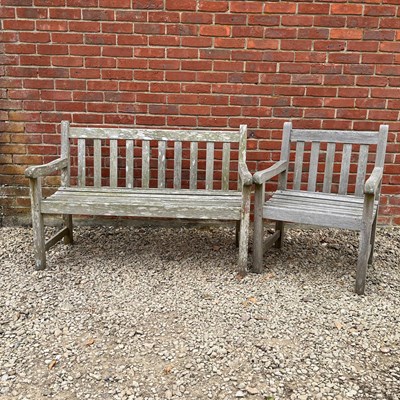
(69,237)
(237,233)
(244,230)
(279,226)
(372,242)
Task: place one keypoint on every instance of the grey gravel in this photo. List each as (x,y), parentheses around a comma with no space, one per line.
(158,313)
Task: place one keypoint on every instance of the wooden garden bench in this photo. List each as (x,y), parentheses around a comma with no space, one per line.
(306,199)
(128,155)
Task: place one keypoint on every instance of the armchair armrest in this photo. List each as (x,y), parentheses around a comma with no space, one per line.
(261,177)
(372,183)
(245,174)
(46,169)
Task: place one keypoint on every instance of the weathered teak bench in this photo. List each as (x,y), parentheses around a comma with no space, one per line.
(200,202)
(332,206)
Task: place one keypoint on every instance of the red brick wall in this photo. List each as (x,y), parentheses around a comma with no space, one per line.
(196,63)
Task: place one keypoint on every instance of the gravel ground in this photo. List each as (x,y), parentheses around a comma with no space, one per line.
(157,313)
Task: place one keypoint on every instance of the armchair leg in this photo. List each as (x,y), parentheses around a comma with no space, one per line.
(244,231)
(279,226)
(362,263)
(258,248)
(38,224)
(237,233)
(69,238)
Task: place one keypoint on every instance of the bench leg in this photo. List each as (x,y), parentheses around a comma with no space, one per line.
(372,242)
(244,231)
(38,224)
(279,226)
(258,235)
(69,237)
(237,233)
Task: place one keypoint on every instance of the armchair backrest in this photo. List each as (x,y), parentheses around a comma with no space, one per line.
(330,161)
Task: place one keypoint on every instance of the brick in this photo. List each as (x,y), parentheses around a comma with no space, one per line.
(197,41)
(16,48)
(148,4)
(84,26)
(280,8)
(346,34)
(65,13)
(196,88)
(313,9)
(263,44)
(97,15)
(148,75)
(101,39)
(181,5)
(34,60)
(182,53)
(34,37)
(230,19)
(362,22)
(353,92)
(246,7)
(215,30)
(117,27)
(117,51)
(183,76)
(165,87)
(133,16)
(51,25)
(297,20)
(383,115)
(114,4)
(196,18)
(150,120)
(67,38)
(380,10)
(164,41)
(23,25)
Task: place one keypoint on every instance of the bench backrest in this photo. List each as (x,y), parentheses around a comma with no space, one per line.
(134,156)
(331,161)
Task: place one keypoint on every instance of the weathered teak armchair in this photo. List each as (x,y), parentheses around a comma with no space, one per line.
(303,202)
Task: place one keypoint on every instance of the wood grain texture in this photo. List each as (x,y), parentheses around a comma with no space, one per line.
(177,165)
(329,163)
(113,163)
(129,164)
(81,162)
(345,168)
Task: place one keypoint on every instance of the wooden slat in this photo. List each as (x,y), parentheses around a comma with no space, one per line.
(285,153)
(81,162)
(161,163)
(177,165)
(65,153)
(298,165)
(210,166)
(226,149)
(329,162)
(345,168)
(363,137)
(193,165)
(155,134)
(316,195)
(129,163)
(56,238)
(97,162)
(113,163)
(313,169)
(361,170)
(145,163)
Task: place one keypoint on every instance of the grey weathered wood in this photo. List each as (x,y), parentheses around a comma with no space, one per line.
(265,175)
(193,165)
(46,169)
(81,162)
(157,202)
(355,137)
(37,223)
(313,170)
(298,165)
(113,163)
(145,163)
(361,170)
(129,164)
(226,149)
(210,166)
(56,238)
(345,168)
(271,240)
(329,163)
(259,198)
(177,165)
(155,134)
(279,227)
(285,153)
(356,212)
(161,163)
(97,162)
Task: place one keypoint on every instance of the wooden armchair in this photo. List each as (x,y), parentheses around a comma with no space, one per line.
(327,203)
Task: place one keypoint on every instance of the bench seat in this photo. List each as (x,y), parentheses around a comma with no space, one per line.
(322,209)
(156,203)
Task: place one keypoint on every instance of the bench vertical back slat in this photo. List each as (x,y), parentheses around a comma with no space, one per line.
(177,165)
(285,153)
(329,161)
(97,162)
(161,164)
(209,165)
(113,163)
(193,165)
(129,163)
(145,164)
(143,146)
(81,162)
(345,168)
(361,169)
(312,174)
(298,165)
(65,152)
(355,147)
(226,149)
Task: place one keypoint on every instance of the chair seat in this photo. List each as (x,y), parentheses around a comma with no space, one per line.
(157,203)
(321,209)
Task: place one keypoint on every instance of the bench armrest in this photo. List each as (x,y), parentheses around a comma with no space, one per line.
(46,169)
(261,177)
(373,182)
(244,174)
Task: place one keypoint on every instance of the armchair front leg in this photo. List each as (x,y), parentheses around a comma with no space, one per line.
(258,228)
